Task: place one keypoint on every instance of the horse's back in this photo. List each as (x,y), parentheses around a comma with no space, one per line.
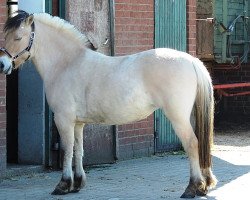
(149,80)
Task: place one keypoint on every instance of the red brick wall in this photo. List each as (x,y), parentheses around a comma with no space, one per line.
(134,32)
(134,26)
(191,27)
(3,14)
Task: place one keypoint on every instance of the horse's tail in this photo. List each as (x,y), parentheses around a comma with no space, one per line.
(204,110)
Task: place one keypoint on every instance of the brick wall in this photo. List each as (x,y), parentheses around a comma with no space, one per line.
(191,27)
(134,26)
(3,13)
(134,32)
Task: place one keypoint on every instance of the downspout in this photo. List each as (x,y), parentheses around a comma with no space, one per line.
(112,53)
(12,6)
(112,26)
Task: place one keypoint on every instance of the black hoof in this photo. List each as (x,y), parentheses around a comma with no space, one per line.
(187,195)
(190,191)
(63,187)
(59,191)
(75,190)
(79,183)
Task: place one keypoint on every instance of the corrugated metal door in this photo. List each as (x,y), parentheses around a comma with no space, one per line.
(170,31)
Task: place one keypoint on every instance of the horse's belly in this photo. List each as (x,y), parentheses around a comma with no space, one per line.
(118,117)
(127,116)
(117,114)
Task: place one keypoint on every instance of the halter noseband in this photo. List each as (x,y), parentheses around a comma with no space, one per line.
(27,49)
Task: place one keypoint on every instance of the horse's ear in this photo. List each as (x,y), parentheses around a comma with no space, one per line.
(29,20)
(91,43)
(91,46)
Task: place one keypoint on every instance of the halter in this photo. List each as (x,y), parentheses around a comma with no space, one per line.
(27,49)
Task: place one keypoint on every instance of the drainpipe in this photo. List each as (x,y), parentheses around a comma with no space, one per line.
(112,26)
(12,6)
(112,53)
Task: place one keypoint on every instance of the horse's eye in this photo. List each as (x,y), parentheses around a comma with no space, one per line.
(18,39)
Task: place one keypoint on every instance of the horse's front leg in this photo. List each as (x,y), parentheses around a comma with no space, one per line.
(79,176)
(66,131)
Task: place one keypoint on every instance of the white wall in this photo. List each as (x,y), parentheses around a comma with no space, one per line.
(32,6)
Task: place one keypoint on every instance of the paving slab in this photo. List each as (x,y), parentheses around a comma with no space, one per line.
(159,177)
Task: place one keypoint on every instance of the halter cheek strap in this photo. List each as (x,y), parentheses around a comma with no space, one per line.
(27,49)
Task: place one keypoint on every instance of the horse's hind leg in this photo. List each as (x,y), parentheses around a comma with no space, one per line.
(66,131)
(79,176)
(185,132)
(190,144)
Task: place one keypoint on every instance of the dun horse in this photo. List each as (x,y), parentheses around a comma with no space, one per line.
(83,86)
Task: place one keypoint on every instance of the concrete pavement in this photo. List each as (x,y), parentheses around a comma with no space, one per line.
(161,177)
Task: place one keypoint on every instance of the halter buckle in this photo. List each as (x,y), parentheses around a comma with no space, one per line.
(32,35)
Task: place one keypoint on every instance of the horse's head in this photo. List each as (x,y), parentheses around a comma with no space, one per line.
(19,35)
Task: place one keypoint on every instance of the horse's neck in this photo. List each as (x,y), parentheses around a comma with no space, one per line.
(53,50)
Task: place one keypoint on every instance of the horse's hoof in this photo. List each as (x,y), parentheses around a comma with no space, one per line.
(59,191)
(201,193)
(187,195)
(63,187)
(79,183)
(190,191)
(75,190)
(202,189)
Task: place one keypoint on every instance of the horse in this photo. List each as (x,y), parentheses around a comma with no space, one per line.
(83,86)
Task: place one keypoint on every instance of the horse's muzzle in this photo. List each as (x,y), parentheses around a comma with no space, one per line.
(5,65)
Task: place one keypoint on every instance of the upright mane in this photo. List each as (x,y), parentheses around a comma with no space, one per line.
(18,17)
(15,20)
